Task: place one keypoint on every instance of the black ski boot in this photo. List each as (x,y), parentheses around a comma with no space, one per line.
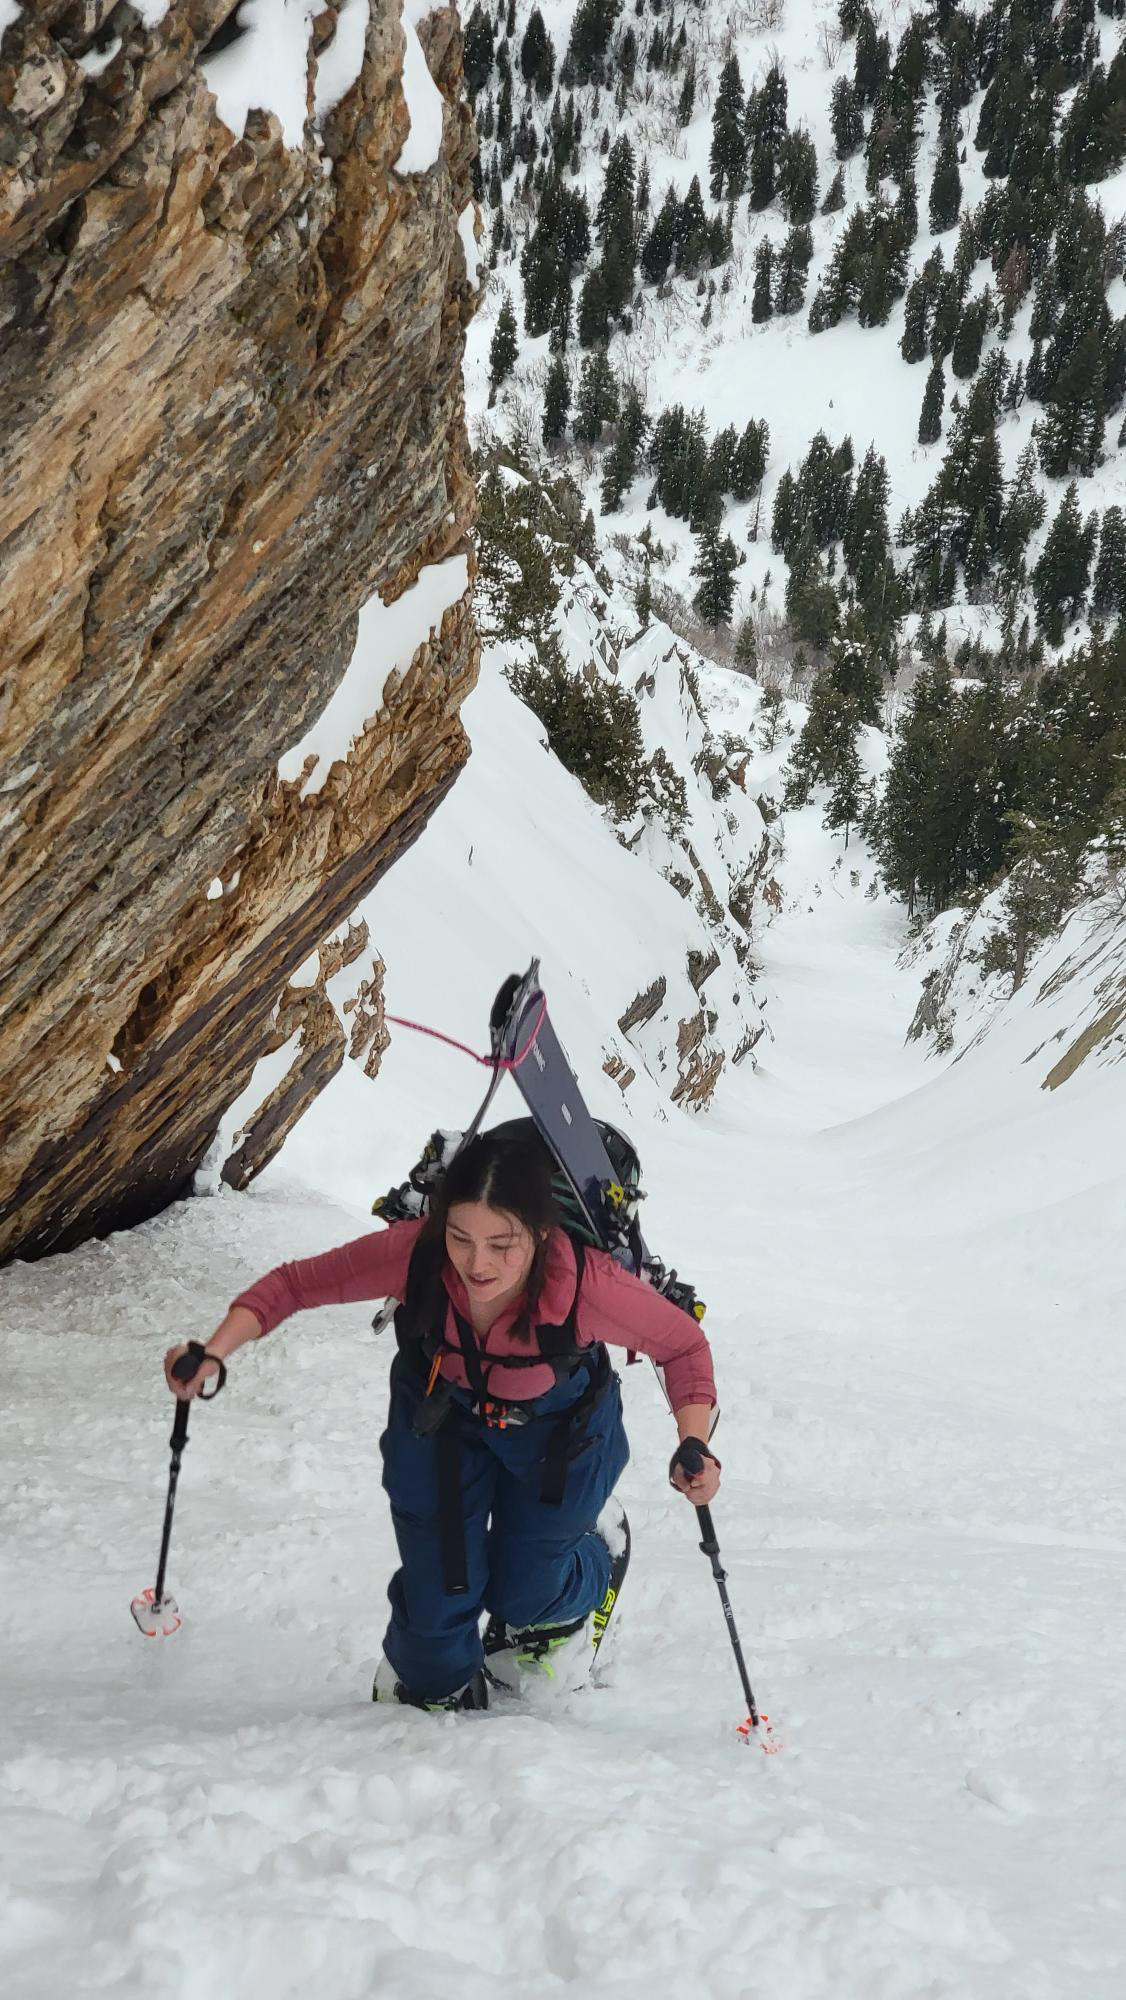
(388,1687)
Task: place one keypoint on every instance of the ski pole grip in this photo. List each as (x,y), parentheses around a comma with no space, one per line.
(187,1366)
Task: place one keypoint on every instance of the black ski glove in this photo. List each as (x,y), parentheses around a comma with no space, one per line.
(689,1456)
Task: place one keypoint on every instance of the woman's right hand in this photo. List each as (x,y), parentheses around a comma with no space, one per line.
(184,1391)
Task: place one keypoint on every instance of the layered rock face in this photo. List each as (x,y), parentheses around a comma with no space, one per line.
(230,413)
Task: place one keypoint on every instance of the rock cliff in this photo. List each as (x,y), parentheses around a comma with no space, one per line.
(230,415)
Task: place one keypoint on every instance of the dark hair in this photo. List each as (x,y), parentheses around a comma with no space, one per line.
(510,1171)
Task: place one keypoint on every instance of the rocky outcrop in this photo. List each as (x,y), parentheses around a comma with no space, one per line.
(700,1061)
(644,1005)
(230,377)
(701,965)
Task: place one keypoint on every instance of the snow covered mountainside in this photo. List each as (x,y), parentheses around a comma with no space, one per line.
(860,205)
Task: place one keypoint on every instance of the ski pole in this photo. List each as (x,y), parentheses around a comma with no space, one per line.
(755,1725)
(158,1616)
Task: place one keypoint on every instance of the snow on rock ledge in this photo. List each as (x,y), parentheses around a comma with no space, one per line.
(231,375)
(1069,1010)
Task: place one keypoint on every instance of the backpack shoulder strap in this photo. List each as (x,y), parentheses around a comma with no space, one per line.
(557,1343)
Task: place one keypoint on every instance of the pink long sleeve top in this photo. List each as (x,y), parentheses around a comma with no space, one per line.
(614,1306)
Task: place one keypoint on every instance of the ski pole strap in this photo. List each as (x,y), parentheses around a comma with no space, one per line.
(187,1367)
(689,1456)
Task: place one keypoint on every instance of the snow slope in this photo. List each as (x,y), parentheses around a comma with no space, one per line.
(914,1297)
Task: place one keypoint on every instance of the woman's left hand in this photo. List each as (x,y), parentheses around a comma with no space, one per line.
(694,1470)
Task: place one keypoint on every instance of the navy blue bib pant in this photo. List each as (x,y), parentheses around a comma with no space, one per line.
(527,1562)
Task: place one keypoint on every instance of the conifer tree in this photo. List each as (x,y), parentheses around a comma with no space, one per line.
(946,187)
(745,655)
(556,401)
(766,133)
(716,561)
(856,672)
(880,284)
(537,55)
(616,203)
(627,58)
(686,102)
(966,353)
(812,606)
(1108,591)
(477,56)
(793,263)
(503,349)
(969,478)
(657,251)
(728,158)
(944,319)
(847,798)
(922,294)
(594,310)
(748,466)
(562,316)
(1024,512)
(847,120)
(797,176)
(978,559)
(616,476)
(872,62)
(1060,578)
(912,833)
(593,727)
(1071,435)
(591,29)
(762,304)
(966,252)
(785,524)
(721,459)
(835,198)
(1093,136)
(1002,108)
(827,743)
(620,469)
(865,537)
(691,234)
(596,403)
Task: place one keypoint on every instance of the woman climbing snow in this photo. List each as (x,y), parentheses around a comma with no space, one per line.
(504,1438)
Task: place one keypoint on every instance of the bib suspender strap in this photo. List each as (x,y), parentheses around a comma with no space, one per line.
(566,1435)
(451,1505)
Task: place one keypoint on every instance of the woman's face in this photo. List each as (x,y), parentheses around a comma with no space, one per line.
(490,1250)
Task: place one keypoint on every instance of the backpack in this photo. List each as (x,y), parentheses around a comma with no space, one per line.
(618,1229)
(410,1201)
